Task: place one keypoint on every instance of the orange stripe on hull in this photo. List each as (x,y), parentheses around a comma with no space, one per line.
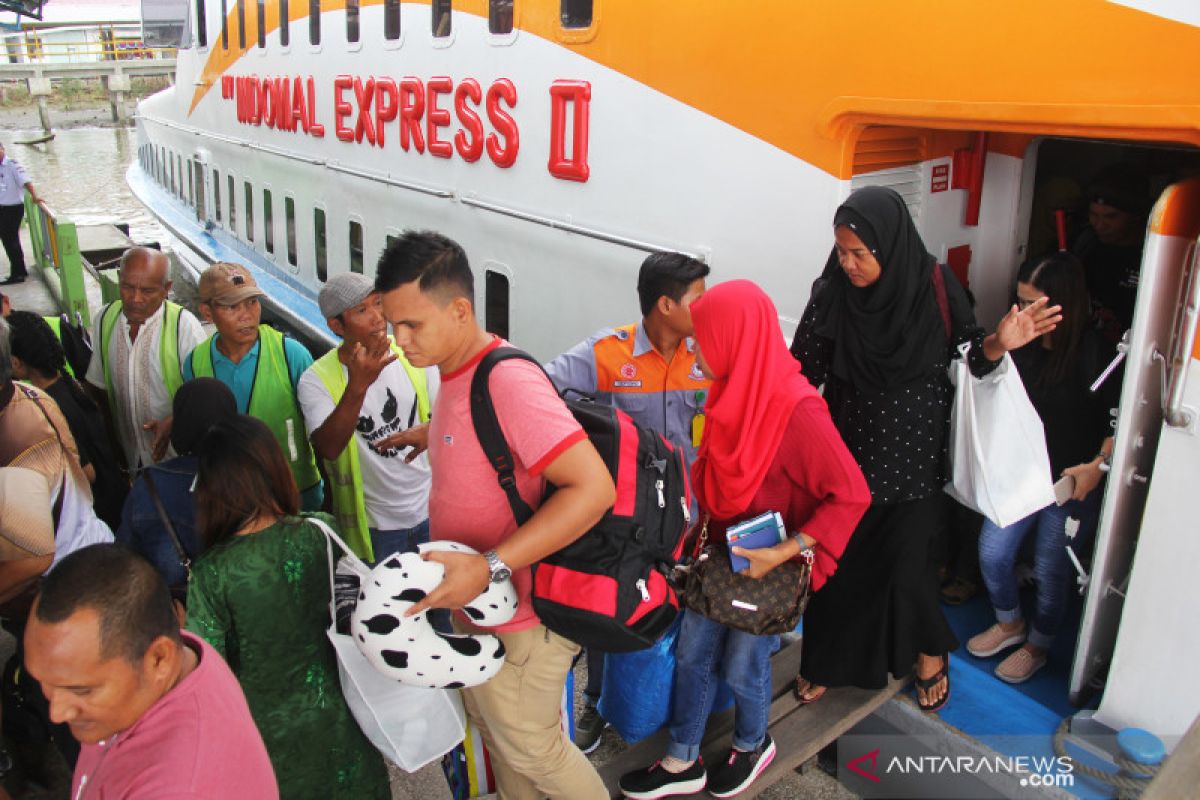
(807,77)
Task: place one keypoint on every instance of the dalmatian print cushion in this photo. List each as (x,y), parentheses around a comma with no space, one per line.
(409,649)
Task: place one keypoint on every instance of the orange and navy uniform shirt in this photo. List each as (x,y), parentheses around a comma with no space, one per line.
(619,367)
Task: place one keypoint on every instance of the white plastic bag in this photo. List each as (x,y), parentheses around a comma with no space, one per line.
(998,460)
(410,725)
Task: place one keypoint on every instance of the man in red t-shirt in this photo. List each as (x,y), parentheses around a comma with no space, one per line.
(427,289)
(159,714)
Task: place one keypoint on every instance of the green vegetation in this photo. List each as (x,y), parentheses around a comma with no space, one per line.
(73,93)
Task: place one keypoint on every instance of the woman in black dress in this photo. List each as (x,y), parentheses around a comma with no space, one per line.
(882,323)
(39,359)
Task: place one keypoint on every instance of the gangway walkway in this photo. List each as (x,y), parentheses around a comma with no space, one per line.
(800,732)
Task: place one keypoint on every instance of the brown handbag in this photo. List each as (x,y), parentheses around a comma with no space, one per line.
(764,606)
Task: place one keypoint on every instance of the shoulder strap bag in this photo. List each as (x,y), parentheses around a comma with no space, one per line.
(185,561)
(768,605)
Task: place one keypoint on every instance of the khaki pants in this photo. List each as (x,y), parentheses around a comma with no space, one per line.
(517,713)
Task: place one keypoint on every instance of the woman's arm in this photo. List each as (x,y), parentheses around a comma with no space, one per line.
(813,351)
(818,465)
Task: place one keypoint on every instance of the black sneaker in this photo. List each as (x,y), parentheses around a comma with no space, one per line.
(741,769)
(589,729)
(655,782)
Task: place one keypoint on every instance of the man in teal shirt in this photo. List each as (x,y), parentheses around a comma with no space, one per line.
(261,367)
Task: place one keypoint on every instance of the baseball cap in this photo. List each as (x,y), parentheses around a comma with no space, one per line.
(344,291)
(227,284)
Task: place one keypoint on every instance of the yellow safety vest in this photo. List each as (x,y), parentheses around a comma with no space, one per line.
(273,400)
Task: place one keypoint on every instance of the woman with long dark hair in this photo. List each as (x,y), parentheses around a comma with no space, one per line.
(199,404)
(768,445)
(1057,369)
(39,359)
(260,597)
(879,331)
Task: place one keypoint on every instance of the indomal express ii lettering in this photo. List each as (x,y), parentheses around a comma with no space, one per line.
(421,115)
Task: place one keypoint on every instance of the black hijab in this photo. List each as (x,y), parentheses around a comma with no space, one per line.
(891,332)
(198,405)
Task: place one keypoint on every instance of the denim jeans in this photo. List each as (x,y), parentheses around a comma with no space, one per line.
(705,652)
(998,548)
(398,540)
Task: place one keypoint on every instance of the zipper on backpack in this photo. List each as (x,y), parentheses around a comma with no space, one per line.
(662,500)
(641,587)
(687,512)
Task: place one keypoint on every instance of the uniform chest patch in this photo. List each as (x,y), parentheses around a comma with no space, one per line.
(628,371)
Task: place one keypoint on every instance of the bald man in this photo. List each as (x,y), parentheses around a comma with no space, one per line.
(140,341)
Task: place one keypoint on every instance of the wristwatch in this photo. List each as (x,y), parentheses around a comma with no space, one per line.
(500,571)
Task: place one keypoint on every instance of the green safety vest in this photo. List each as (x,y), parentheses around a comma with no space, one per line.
(55,324)
(344,472)
(168,345)
(272,400)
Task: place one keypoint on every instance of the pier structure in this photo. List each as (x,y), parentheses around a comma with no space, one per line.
(116,75)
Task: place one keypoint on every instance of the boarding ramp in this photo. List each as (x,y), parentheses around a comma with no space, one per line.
(800,732)
(71,261)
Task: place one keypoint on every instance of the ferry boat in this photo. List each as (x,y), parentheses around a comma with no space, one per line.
(561,140)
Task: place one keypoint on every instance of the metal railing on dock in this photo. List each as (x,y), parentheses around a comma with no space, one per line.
(55,246)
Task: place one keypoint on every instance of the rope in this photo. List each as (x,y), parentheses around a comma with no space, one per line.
(1130,782)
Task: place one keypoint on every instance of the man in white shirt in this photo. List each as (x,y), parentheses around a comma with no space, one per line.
(13,183)
(363,405)
(140,341)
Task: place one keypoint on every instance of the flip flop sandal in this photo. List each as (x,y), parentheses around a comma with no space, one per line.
(925,684)
(798,691)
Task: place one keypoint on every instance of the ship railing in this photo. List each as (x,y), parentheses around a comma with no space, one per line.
(55,245)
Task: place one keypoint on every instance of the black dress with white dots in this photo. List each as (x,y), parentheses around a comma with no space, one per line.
(879,610)
(897,435)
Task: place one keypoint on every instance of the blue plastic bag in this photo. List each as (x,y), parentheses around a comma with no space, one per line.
(636,695)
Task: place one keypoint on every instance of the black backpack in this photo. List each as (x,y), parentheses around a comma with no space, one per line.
(608,589)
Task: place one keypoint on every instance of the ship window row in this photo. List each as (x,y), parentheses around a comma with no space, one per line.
(573,15)
(235,203)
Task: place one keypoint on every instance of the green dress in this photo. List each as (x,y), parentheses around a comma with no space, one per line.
(262,600)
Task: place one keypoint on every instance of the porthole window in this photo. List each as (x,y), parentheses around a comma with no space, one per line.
(391,19)
(285,35)
(356,247)
(249,211)
(320,244)
(314,21)
(289,214)
(576,13)
(441,18)
(268,222)
(352,17)
(500,16)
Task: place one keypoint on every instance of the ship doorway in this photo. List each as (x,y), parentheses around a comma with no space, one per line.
(1094,199)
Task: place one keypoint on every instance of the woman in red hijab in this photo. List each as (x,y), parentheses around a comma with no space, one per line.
(769,445)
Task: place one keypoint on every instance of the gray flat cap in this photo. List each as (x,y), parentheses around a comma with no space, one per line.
(342,291)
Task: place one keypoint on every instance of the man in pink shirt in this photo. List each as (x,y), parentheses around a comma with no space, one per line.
(428,292)
(158,713)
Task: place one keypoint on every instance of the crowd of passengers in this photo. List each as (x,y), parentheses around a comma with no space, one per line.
(170,597)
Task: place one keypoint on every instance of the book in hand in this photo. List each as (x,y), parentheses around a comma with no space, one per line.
(765,530)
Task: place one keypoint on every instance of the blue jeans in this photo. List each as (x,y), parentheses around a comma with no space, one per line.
(998,548)
(705,652)
(398,540)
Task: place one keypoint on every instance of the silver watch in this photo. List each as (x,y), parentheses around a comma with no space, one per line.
(500,571)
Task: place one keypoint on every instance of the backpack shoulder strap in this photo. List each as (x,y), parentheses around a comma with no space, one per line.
(488,431)
(939,292)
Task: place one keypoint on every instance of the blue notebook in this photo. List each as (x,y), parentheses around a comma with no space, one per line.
(765,530)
